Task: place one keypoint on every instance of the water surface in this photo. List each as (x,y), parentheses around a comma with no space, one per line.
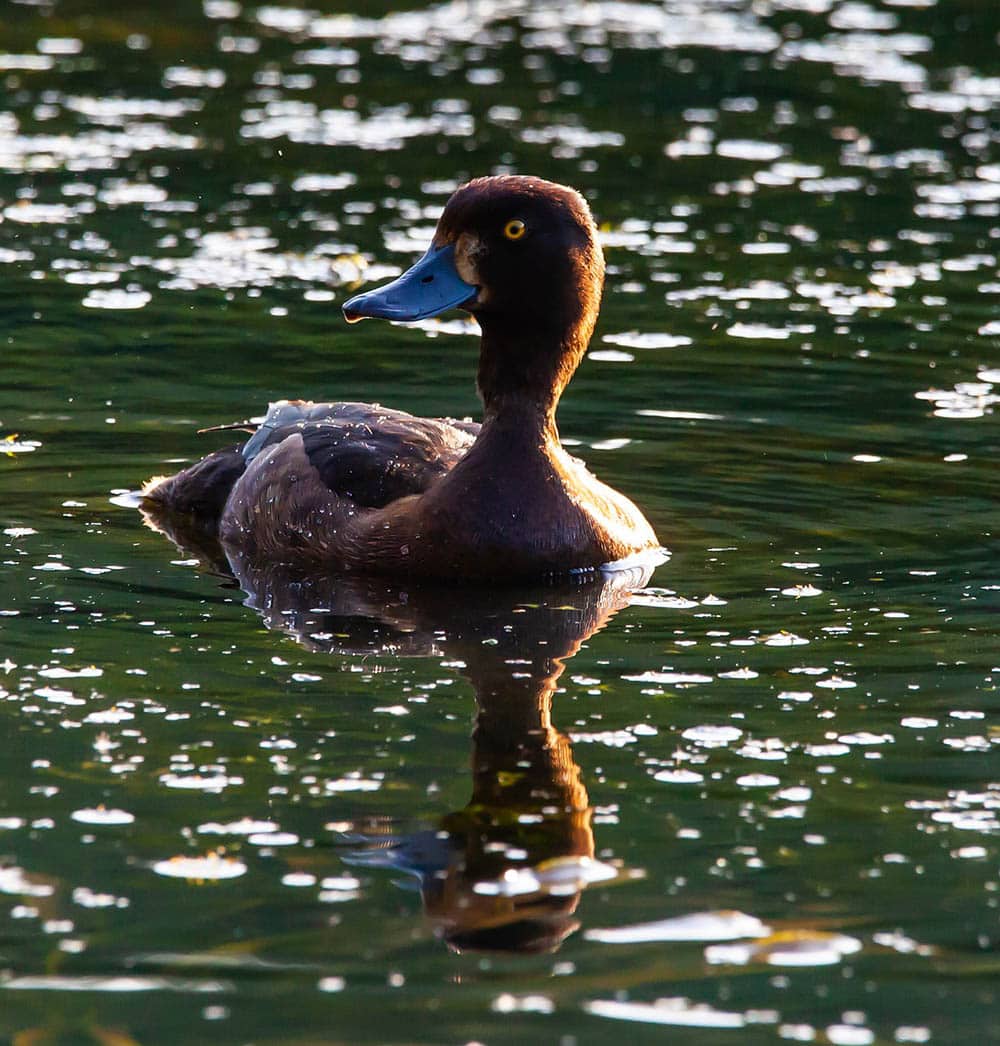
(756,804)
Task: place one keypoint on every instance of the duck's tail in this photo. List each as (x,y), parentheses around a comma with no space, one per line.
(201,490)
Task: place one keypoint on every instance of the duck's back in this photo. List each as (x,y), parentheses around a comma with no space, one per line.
(308,462)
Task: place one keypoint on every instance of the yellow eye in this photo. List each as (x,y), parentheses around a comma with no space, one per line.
(514,229)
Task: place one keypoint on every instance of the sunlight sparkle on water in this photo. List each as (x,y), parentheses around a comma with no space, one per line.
(796,287)
(210,867)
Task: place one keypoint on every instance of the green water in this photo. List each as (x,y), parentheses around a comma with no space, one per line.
(408,822)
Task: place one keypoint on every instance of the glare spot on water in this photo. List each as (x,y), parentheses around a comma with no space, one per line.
(783,639)
(678,776)
(120,192)
(825,751)
(466,326)
(967,399)
(14,880)
(610,356)
(199,782)
(96,983)
(865,738)
(26,62)
(669,678)
(58,696)
(117,299)
(508,1003)
(87,898)
(245,258)
(757,781)
(209,867)
(323,182)
(244,826)
(353,783)
(710,736)
(26,213)
(646,340)
(189,76)
(678,1012)
(270,838)
(836,683)
(849,1035)
(802,591)
(561,876)
(741,149)
(698,926)
(787,948)
(58,672)
(102,816)
(765,332)
(298,879)
(388,129)
(90,277)
(663,598)
(13,445)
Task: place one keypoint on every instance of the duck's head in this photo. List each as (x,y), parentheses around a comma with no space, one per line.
(521,254)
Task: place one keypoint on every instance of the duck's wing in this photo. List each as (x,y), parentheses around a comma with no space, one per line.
(361,451)
(372,463)
(364,452)
(309,481)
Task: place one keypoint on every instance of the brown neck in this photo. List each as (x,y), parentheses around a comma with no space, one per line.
(524,369)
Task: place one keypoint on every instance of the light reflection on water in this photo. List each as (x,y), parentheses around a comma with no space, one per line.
(758,802)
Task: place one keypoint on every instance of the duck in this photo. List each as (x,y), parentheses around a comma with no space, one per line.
(358,487)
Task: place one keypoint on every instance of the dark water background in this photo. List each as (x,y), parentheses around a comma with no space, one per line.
(795,376)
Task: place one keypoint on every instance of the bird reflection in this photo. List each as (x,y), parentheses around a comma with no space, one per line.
(506,872)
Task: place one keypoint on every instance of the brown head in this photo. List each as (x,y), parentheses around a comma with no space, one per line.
(521,254)
(530,248)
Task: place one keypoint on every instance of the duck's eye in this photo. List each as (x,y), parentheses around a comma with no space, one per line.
(515,229)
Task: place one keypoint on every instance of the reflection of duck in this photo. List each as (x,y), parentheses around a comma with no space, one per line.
(355,486)
(506,871)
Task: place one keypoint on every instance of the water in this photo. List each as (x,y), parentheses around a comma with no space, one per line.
(271,814)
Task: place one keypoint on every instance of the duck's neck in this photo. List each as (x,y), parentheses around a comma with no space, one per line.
(522,375)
